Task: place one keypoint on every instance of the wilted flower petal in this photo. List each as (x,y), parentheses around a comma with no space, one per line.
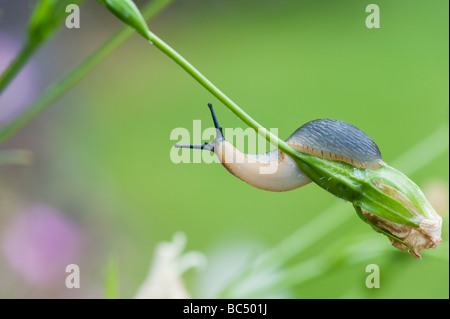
(406,237)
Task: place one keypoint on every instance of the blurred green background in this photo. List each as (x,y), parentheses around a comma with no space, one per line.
(101,153)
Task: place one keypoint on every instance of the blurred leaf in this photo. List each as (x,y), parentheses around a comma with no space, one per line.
(45,18)
(16,157)
(43,21)
(111,287)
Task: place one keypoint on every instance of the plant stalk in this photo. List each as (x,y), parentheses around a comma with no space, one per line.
(58,88)
(16,65)
(207,84)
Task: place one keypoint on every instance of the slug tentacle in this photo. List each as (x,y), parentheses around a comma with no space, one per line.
(273,171)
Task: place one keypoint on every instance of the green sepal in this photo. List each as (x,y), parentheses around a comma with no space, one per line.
(127,11)
(15,157)
(356,185)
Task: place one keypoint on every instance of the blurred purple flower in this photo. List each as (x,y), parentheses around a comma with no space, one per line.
(40,242)
(22,89)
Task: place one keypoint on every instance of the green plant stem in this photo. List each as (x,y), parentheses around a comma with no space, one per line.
(16,65)
(207,84)
(61,86)
(111,282)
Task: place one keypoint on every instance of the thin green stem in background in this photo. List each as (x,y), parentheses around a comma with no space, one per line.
(427,150)
(16,65)
(61,86)
(207,84)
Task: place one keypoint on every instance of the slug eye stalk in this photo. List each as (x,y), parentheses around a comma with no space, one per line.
(207,146)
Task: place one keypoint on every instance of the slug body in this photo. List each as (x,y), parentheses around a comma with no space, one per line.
(336,140)
(278,172)
(274,171)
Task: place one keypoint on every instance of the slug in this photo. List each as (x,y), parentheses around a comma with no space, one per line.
(326,138)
